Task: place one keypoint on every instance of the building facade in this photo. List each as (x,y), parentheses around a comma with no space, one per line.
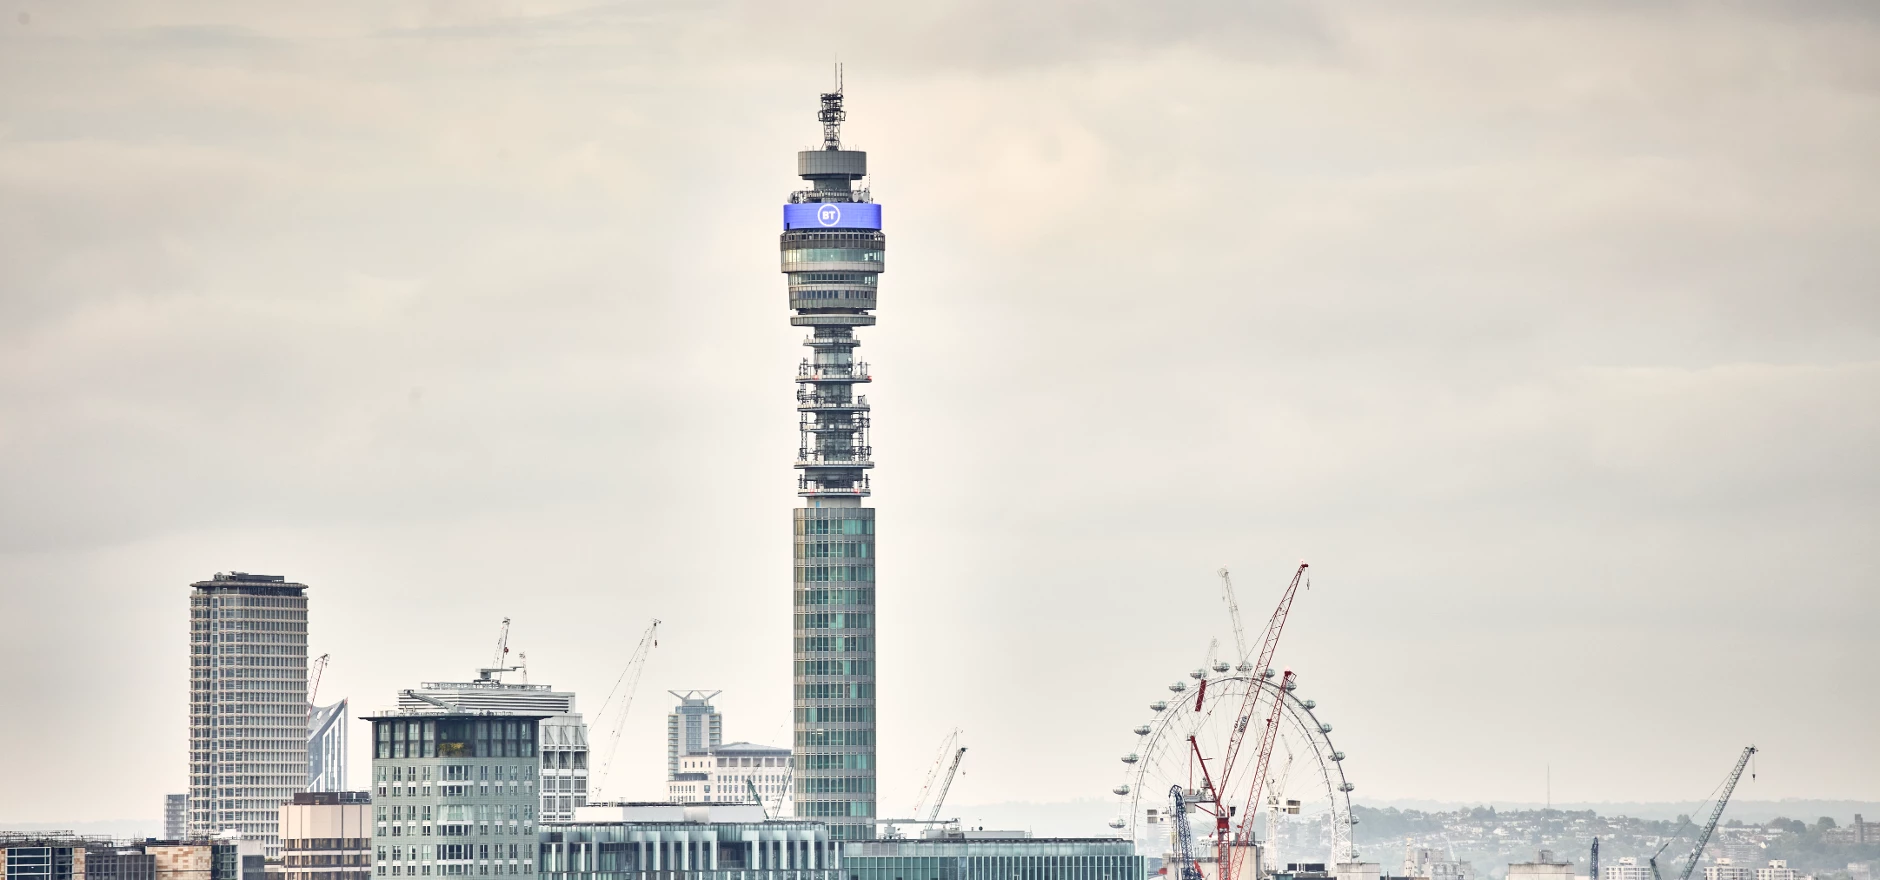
(993,859)
(729,773)
(454,793)
(693,727)
(563,745)
(1778,869)
(66,857)
(687,842)
(1627,868)
(175,816)
(327,835)
(248,704)
(832,248)
(326,747)
(1544,867)
(1727,869)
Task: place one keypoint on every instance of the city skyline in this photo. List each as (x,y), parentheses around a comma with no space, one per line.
(1447,317)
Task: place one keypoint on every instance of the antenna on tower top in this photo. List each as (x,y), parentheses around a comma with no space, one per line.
(832,115)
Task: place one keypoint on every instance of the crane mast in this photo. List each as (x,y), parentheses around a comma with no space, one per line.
(1184,836)
(1233,614)
(1716,813)
(630,677)
(946,785)
(313,682)
(1260,670)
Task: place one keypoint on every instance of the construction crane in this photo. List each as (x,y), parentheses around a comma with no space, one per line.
(946,785)
(1185,836)
(313,677)
(1262,669)
(494,671)
(1716,812)
(1233,614)
(751,785)
(630,677)
(947,746)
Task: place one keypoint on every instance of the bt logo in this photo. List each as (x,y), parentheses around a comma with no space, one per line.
(829,215)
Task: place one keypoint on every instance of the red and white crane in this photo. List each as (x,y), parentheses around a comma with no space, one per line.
(1223,810)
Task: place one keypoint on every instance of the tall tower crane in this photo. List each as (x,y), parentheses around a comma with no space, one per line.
(946,785)
(313,676)
(1723,800)
(494,671)
(1233,614)
(947,746)
(1223,841)
(630,677)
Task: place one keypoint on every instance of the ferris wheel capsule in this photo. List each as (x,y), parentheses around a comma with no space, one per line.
(1325,728)
(1244,667)
(1143,730)
(1178,687)
(1157,706)
(1131,758)
(1121,789)
(1222,666)
(1198,674)
(1311,704)
(1116,823)
(1269,673)
(1338,756)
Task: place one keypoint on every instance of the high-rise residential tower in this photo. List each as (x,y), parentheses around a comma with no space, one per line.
(248,704)
(693,727)
(563,742)
(832,255)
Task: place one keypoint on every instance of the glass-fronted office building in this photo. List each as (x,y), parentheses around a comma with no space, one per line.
(1040,858)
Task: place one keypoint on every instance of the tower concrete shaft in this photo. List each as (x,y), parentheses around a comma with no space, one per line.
(832,250)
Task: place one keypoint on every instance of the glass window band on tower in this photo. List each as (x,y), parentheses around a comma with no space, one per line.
(832,256)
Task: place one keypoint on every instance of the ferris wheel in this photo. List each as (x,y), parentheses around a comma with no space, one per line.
(1306,800)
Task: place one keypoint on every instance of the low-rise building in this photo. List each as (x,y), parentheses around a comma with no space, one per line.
(1626,868)
(1542,868)
(996,856)
(727,774)
(1778,869)
(56,856)
(327,835)
(1727,869)
(696,841)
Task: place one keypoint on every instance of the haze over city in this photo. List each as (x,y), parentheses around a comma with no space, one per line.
(1547,333)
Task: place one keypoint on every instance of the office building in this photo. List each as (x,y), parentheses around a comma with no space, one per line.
(832,248)
(326,747)
(692,728)
(454,793)
(1778,869)
(1727,869)
(687,842)
(248,704)
(1542,868)
(56,856)
(730,773)
(1627,868)
(327,835)
(994,856)
(1434,863)
(175,816)
(563,743)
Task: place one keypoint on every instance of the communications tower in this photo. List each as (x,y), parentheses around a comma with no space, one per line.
(832,255)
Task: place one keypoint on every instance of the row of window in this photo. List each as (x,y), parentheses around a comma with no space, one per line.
(832,255)
(838,762)
(837,620)
(457,870)
(821,737)
(837,644)
(825,809)
(838,573)
(835,667)
(455,772)
(800,278)
(836,714)
(852,596)
(836,785)
(833,550)
(459,812)
(835,526)
(457,852)
(836,690)
(826,293)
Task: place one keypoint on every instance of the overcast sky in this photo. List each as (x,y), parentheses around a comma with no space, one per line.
(1548,333)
